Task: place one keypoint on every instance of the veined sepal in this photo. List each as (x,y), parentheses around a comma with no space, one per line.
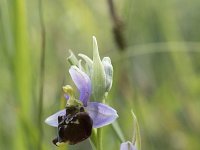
(98,74)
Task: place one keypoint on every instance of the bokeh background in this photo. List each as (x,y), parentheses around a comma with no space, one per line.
(155,50)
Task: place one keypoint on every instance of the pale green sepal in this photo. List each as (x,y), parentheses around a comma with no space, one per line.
(98,74)
(108,68)
(72,59)
(88,64)
(136,140)
(86,58)
(80,65)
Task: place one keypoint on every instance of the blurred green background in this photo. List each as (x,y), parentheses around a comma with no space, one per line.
(154,46)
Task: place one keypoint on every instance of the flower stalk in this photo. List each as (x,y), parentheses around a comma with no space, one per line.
(99,138)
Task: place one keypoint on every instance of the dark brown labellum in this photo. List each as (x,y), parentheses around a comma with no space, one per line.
(74,127)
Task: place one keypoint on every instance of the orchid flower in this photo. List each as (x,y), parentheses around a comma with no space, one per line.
(76,121)
(127,146)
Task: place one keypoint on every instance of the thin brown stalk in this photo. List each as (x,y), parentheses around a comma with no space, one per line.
(117,26)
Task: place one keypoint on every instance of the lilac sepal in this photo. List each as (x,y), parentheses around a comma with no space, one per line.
(53,119)
(127,146)
(101,114)
(82,82)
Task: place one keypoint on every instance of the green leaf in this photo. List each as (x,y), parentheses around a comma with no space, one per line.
(118,131)
(136,132)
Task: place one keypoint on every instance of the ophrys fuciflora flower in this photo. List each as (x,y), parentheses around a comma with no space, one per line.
(75,122)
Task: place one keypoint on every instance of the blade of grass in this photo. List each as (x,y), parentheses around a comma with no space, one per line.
(116,128)
(42,69)
(22,73)
(21,61)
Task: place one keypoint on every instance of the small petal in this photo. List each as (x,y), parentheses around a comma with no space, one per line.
(101,114)
(53,119)
(127,146)
(86,59)
(88,64)
(108,68)
(72,59)
(80,65)
(82,82)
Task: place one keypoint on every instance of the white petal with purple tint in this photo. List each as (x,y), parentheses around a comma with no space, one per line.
(101,114)
(127,146)
(108,68)
(82,82)
(53,119)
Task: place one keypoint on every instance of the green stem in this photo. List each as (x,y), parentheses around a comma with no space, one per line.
(42,68)
(93,139)
(116,128)
(22,73)
(99,139)
(92,144)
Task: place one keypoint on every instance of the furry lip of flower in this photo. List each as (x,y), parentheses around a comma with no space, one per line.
(100,114)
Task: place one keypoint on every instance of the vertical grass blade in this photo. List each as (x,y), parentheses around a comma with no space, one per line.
(22,73)
(42,69)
